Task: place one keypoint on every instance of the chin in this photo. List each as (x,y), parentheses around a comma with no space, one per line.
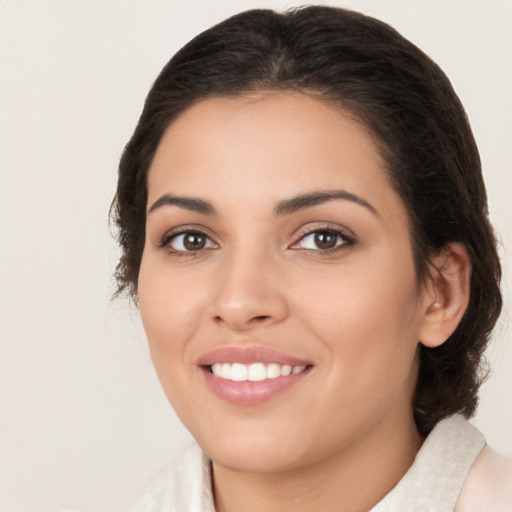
(254,452)
(255,458)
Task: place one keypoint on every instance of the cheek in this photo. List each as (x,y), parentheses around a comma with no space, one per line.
(169,310)
(169,313)
(368,316)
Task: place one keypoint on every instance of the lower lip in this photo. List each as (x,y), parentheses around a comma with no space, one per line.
(249,392)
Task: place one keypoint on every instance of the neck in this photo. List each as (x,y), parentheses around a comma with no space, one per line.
(353,479)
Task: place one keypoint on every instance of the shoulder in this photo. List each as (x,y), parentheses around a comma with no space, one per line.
(488,486)
(183,486)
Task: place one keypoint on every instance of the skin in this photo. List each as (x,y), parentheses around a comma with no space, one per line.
(344,435)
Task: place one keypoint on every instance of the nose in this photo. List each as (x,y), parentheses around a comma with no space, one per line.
(250,293)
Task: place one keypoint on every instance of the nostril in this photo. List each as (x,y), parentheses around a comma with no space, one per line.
(260,318)
(219,319)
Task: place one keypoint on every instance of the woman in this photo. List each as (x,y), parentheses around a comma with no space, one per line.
(304,226)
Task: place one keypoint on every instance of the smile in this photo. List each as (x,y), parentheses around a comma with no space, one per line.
(251,375)
(254,372)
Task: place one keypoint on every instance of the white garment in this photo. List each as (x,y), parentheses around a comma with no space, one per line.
(432,484)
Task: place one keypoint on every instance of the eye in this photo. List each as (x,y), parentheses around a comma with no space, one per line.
(189,241)
(323,240)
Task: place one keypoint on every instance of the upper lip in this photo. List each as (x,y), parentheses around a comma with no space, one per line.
(249,355)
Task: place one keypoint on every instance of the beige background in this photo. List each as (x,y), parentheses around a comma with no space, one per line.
(83,422)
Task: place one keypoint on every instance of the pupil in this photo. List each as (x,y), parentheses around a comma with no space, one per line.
(194,242)
(325,240)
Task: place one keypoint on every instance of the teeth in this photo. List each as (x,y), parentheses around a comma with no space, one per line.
(239,372)
(286,369)
(253,372)
(257,372)
(273,371)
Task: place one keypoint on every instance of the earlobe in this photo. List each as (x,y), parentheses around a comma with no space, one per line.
(447,296)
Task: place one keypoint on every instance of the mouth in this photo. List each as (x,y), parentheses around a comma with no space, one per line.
(255,372)
(251,375)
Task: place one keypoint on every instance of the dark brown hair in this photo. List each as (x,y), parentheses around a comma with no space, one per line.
(407,102)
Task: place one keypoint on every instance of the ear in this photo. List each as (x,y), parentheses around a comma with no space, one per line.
(447,295)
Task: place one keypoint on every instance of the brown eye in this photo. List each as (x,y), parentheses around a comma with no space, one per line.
(194,242)
(190,242)
(325,240)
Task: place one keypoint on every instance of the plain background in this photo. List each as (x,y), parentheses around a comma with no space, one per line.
(83,422)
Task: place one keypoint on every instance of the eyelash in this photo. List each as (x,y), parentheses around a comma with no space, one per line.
(170,236)
(347,240)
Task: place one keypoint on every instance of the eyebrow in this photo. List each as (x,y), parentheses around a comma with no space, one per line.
(309,200)
(189,203)
(285,207)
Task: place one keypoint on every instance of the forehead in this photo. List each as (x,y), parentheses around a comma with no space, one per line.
(265,148)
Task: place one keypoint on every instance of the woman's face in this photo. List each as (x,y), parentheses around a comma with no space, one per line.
(275,243)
